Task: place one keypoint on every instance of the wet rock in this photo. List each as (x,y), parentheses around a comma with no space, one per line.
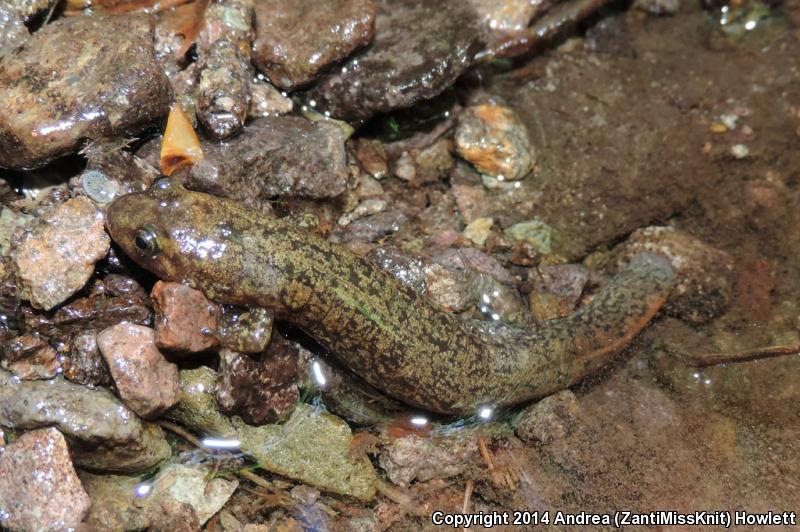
(29,8)
(478,231)
(85,364)
(12,30)
(705,274)
(258,391)
(365,208)
(115,502)
(473,260)
(658,7)
(556,289)
(493,138)
(169,515)
(508,16)
(103,434)
(111,300)
(534,232)
(223,91)
(274,156)
(39,489)
(9,221)
(185,319)
(418,51)
(420,166)
(551,419)
(57,253)
(373,227)
(146,382)
(311,446)
(190,484)
(422,458)
(266,100)
(296,40)
(77,78)
(112,170)
(471,201)
(245,331)
(30,358)
(371,156)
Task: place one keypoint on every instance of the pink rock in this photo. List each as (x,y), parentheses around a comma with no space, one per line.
(147,383)
(185,320)
(39,489)
(57,254)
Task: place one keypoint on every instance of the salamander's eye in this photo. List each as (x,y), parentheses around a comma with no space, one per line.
(146,240)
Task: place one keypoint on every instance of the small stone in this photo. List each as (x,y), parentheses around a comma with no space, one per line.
(194,485)
(85,364)
(30,358)
(551,419)
(365,208)
(372,157)
(259,392)
(169,515)
(418,51)
(705,281)
(39,489)
(658,7)
(245,331)
(740,151)
(266,100)
(295,40)
(146,382)
(556,289)
(493,139)
(77,78)
(422,458)
(104,435)
(56,255)
(471,201)
(9,221)
(12,29)
(504,16)
(479,230)
(424,166)
(274,156)
(186,321)
(537,233)
(99,187)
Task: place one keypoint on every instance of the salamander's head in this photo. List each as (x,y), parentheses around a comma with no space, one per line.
(171,231)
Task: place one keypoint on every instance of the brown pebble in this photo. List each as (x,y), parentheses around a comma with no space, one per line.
(146,382)
(186,321)
(30,357)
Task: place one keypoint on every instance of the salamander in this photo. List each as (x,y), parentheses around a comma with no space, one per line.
(379,328)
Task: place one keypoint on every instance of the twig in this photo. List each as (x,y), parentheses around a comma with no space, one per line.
(186,435)
(467,497)
(393,493)
(704,360)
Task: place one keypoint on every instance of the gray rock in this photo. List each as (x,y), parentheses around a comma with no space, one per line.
(12,30)
(83,77)
(146,382)
(549,420)
(39,489)
(103,434)
(57,253)
(420,48)
(423,458)
(295,40)
(274,156)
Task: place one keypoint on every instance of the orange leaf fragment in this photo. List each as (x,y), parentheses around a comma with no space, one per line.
(180,146)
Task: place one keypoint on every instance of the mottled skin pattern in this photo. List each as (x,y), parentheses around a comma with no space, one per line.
(381,329)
